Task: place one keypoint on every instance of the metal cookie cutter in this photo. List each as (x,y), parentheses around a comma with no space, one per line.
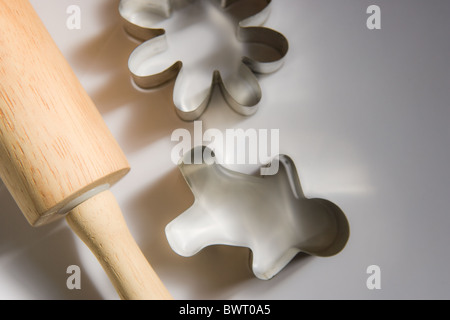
(267,214)
(251,49)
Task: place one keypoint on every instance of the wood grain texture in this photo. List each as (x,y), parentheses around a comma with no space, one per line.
(101,226)
(54,144)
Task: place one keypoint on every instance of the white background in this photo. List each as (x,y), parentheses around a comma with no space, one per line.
(364,115)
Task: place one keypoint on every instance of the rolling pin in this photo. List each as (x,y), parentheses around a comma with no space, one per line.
(57,156)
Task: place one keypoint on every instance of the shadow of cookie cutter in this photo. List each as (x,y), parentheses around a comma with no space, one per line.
(249,32)
(268,214)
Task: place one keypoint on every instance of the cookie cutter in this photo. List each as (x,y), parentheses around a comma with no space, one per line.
(268,214)
(263,52)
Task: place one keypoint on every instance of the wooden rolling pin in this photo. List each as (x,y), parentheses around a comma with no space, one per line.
(57,156)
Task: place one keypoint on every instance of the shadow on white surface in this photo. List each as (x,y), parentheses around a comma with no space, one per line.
(35,260)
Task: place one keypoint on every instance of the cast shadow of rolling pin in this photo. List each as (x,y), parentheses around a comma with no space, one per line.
(36,260)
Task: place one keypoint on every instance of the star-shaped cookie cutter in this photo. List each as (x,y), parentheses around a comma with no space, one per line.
(264,51)
(268,214)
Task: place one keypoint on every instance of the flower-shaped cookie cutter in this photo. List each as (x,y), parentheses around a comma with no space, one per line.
(261,51)
(268,214)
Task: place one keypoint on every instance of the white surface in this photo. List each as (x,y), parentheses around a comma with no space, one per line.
(363,114)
